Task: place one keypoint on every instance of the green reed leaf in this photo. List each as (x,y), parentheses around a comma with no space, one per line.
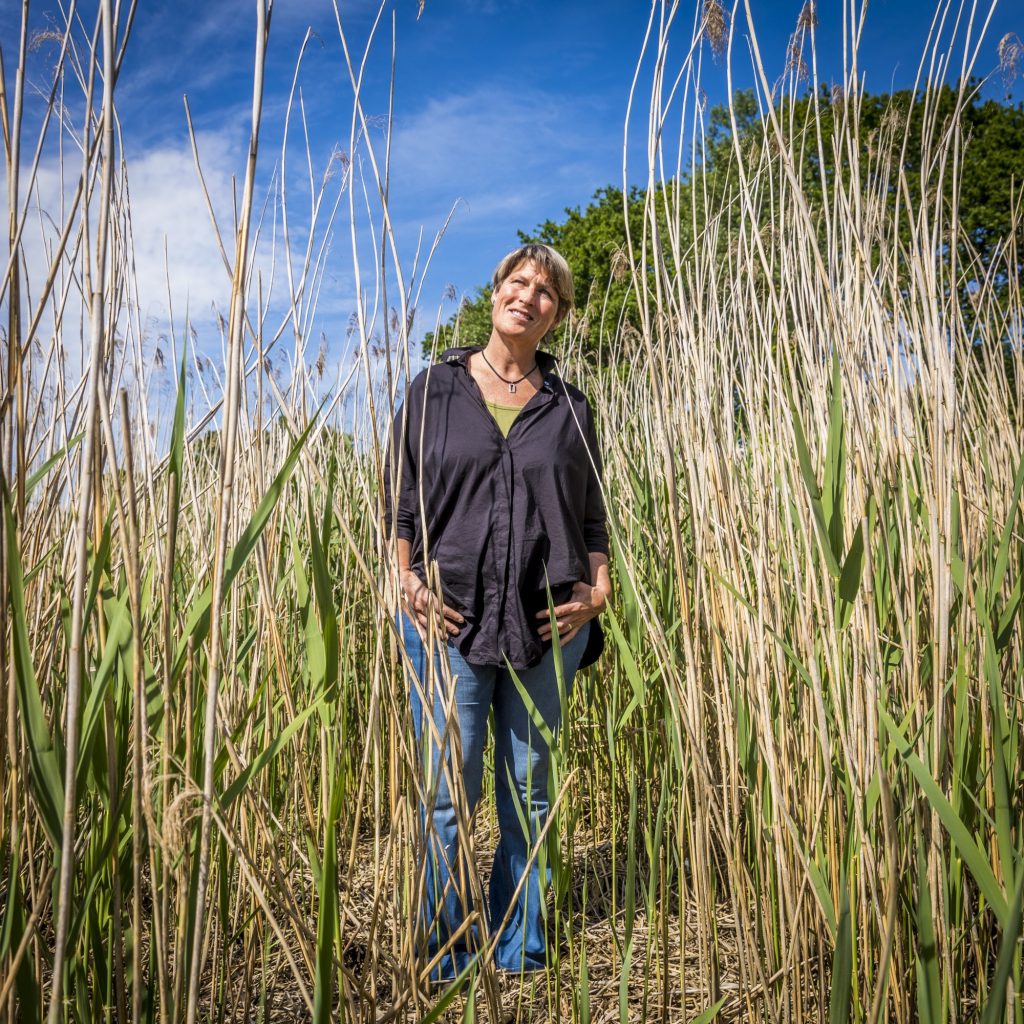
(977,863)
(197,625)
(1003,553)
(267,755)
(119,636)
(814,493)
(849,579)
(995,1005)
(448,995)
(708,1015)
(629,665)
(46,775)
(926,964)
(177,449)
(329,922)
(833,486)
(824,894)
(11,935)
(1002,760)
(40,474)
(842,962)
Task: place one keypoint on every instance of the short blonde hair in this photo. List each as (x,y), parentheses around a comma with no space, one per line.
(550,261)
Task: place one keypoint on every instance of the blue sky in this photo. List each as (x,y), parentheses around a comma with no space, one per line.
(506,112)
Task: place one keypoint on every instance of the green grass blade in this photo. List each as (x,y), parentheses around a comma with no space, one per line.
(266,756)
(119,637)
(842,963)
(849,579)
(1003,553)
(1002,767)
(448,996)
(833,487)
(929,986)
(177,450)
(708,1015)
(10,936)
(814,494)
(197,625)
(40,474)
(995,1006)
(41,564)
(636,680)
(1004,632)
(261,516)
(327,630)
(531,708)
(624,969)
(583,988)
(329,923)
(824,894)
(100,565)
(977,863)
(630,602)
(46,773)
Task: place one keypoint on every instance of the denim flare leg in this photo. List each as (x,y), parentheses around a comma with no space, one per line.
(521,760)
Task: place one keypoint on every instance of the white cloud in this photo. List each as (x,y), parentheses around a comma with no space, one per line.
(500,150)
(173,235)
(174,251)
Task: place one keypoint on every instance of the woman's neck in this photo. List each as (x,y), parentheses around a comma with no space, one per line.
(509,358)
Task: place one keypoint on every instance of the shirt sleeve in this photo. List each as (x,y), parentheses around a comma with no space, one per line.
(595,523)
(400,475)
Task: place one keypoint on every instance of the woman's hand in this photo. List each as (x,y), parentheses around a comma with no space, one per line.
(421,604)
(587,603)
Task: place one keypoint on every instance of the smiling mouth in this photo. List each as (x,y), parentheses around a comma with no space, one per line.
(520,314)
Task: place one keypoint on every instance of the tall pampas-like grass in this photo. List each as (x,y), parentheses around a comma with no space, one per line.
(791,789)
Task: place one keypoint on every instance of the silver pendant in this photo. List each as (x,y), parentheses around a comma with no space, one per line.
(511,389)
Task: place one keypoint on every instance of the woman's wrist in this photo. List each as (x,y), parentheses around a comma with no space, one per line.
(601,583)
(410,587)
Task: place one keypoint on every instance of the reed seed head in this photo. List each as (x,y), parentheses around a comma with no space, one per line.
(716,26)
(808,20)
(795,63)
(1011,58)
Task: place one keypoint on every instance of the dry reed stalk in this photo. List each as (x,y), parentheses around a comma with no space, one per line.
(98,341)
(224,509)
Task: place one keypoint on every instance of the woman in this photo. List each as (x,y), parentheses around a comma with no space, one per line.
(496,474)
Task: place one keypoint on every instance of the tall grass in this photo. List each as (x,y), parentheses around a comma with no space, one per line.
(792,787)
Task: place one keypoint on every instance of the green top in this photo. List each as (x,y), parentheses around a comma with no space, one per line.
(504,415)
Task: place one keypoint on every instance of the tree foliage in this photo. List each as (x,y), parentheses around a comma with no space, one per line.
(899,135)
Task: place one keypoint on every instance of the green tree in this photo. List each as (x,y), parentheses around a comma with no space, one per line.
(469,325)
(893,163)
(899,136)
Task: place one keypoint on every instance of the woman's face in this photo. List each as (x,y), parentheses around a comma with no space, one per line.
(525,305)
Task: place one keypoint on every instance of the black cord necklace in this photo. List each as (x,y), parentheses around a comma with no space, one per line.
(511,383)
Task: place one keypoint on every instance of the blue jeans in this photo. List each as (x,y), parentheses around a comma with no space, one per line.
(521,762)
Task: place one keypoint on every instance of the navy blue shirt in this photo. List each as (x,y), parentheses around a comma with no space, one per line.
(496,512)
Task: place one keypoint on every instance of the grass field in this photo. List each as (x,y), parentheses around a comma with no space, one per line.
(792,789)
